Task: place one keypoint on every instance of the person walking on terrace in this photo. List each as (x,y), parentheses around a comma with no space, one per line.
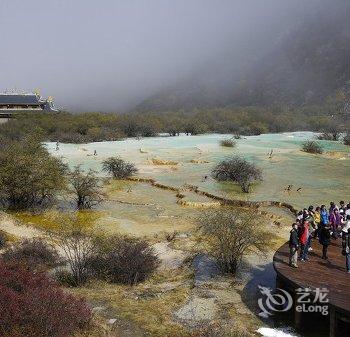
(293,246)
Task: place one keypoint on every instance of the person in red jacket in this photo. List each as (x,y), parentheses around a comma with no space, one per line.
(303,239)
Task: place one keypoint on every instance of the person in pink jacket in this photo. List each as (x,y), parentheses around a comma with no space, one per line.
(335,220)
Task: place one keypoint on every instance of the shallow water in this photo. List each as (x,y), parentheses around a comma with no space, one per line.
(321,178)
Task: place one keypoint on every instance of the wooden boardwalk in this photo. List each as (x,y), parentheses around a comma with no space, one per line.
(318,273)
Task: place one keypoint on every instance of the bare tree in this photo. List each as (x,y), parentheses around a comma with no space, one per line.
(332,131)
(238,170)
(85,187)
(231,234)
(76,244)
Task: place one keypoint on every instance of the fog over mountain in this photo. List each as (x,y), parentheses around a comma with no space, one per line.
(112,55)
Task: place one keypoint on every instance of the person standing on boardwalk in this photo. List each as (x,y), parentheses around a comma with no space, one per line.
(293,246)
(324,215)
(325,239)
(311,220)
(332,207)
(347,210)
(317,220)
(342,208)
(346,243)
(335,222)
(303,239)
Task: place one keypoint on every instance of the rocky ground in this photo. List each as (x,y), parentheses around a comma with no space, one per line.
(187,291)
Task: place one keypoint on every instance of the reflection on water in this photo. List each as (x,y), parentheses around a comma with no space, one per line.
(319,178)
(260,272)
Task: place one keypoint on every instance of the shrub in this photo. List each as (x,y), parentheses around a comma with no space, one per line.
(228,143)
(325,136)
(238,170)
(311,146)
(29,176)
(118,168)
(3,239)
(231,234)
(257,128)
(124,260)
(346,139)
(85,187)
(65,278)
(34,253)
(32,305)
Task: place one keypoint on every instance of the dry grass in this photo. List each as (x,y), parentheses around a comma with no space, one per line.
(98,328)
(115,185)
(148,306)
(8,237)
(52,220)
(149,309)
(228,143)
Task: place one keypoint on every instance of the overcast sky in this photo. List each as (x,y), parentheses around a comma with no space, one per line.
(110,54)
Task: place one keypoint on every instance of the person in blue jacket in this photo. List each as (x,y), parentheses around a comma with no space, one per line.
(324,215)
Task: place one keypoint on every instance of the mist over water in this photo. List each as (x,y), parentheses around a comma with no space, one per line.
(110,55)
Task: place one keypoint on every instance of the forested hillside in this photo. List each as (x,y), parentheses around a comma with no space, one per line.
(308,65)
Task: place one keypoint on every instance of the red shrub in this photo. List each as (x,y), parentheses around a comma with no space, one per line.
(33,305)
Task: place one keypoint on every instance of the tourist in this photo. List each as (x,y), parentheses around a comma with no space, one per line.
(95,153)
(310,219)
(303,239)
(332,207)
(299,216)
(293,246)
(317,220)
(346,224)
(342,208)
(324,215)
(319,223)
(57,146)
(347,212)
(335,222)
(325,239)
(346,243)
(305,214)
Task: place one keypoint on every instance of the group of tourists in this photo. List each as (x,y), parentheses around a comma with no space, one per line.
(320,224)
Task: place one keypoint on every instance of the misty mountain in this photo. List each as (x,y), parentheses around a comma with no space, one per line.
(307,64)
